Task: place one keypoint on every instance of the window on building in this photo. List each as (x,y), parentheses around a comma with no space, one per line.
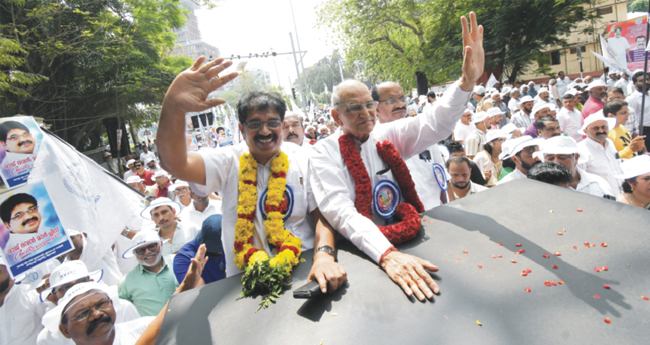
(604,10)
(555,58)
(582,49)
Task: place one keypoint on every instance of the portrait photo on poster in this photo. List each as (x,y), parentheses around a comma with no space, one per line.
(20,140)
(31,232)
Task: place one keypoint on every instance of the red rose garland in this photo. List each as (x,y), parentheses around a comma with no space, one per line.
(407,213)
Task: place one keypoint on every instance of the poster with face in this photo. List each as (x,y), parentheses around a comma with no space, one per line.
(628,39)
(20,139)
(31,232)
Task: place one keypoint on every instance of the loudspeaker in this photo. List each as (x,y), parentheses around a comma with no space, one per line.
(195,121)
(423,84)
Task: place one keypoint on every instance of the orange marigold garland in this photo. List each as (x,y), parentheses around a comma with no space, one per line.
(265,276)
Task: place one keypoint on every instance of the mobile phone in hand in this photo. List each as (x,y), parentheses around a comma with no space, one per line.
(309,290)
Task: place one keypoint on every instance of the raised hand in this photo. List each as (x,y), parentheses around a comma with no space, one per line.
(409,273)
(193,276)
(190,90)
(473,54)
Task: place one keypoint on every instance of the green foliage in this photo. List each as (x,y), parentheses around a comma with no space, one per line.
(399,37)
(324,73)
(638,6)
(263,280)
(76,62)
(236,89)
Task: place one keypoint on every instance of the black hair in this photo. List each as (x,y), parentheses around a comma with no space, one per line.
(7,126)
(550,172)
(260,101)
(454,146)
(138,161)
(618,28)
(613,107)
(540,123)
(458,160)
(508,163)
(637,37)
(568,96)
(627,184)
(636,76)
(615,89)
(431,94)
(487,147)
(374,93)
(13,201)
(220,129)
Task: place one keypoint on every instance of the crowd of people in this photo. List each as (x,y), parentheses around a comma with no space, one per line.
(339,173)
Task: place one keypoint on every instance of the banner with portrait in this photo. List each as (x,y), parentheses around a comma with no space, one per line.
(31,231)
(628,40)
(20,139)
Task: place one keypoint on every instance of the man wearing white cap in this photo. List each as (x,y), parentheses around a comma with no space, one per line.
(197,212)
(569,118)
(131,171)
(543,96)
(180,192)
(86,253)
(150,284)
(634,101)
(522,154)
(475,140)
(163,212)
(20,311)
(63,278)
(531,89)
(488,159)
(540,110)
(597,92)
(636,185)
(499,103)
(495,115)
(323,131)
(162,183)
(151,165)
(464,127)
(149,191)
(564,150)
(515,101)
(478,97)
(603,160)
(521,117)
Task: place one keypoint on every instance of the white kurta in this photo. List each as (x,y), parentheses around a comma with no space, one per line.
(562,85)
(222,176)
(145,156)
(333,186)
(462,131)
(514,175)
(20,316)
(634,102)
(178,240)
(193,219)
(570,122)
(521,119)
(425,182)
(128,333)
(603,162)
(513,105)
(473,189)
(593,184)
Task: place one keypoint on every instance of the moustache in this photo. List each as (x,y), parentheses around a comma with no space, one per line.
(25,142)
(602,133)
(460,185)
(292,135)
(29,220)
(271,136)
(92,326)
(398,109)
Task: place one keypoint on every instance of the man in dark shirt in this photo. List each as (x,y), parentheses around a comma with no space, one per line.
(210,235)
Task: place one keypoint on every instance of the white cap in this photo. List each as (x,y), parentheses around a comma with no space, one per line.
(543,89)
(321,127)
(130,161)
(595,83)
(526,98)
(67,272)
(480,116)
(597,116)
(52,318)
(134,179)
(531,82)
(178,184)
(149,159)
(146,213)
(571,91)
(494,134)
(143,237)
(522,142)
(522,87)
(564,145)
(158,174)
(510,128)
(636,166)
(479,90)
(538,107)
(494,111)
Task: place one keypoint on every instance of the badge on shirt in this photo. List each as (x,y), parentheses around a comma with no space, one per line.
(386,196)
(439,174)
(288,197)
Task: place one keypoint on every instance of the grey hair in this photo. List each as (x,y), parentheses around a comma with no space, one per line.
(335,97)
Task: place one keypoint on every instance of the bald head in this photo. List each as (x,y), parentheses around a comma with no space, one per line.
(353,109)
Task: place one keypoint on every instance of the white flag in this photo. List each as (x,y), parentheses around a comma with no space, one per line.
(491,82)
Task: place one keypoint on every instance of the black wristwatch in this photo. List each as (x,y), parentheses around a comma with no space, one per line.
(329,250)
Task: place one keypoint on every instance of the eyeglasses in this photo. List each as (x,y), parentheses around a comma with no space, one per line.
(83,314)
(142,250)
(19,215)
(271,124)
(294,125)
(137,165)
(61,290)
(14,137)
(181,190)
(392,101)
(357,107)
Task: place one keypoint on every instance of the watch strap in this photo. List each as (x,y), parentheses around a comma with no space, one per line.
(328,250)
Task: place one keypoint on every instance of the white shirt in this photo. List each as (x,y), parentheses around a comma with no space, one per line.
(484,162)
(630,87)
(634,102)
(570,122)
(474,142)
(461,131)
(622,83)
(423,176)
(514,175)
(178,240)
(128,333)
(619,45)
(603,162)
(222,176)
(521,119)
(20,316)
(125,311)
(128,174)
(193,219)
(562,85)
(333,186)
(145,156)
(473,189)
(513,105)
(593,184)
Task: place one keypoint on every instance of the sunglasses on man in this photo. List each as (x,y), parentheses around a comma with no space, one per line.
(141,250)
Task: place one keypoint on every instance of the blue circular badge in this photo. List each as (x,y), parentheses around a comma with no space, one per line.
(288,196)
(440,175)
(385,198)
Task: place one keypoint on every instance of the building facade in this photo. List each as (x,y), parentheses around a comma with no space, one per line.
(189,42)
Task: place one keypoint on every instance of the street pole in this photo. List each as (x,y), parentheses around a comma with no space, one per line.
(645,77)
(297,40)
(276,69)
(302,94)
(341,68)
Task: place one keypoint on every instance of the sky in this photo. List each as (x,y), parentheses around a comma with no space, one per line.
(242,27)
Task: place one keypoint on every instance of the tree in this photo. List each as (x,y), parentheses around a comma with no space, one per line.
(236,89)
(87,60)
(638,6)
(396,38)
(324,74)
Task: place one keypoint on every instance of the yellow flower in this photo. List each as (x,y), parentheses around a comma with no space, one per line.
(259,255)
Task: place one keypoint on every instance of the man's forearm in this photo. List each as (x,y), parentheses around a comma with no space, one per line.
(172,148)
(324,235)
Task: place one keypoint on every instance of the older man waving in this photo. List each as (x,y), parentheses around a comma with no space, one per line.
(348,171)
